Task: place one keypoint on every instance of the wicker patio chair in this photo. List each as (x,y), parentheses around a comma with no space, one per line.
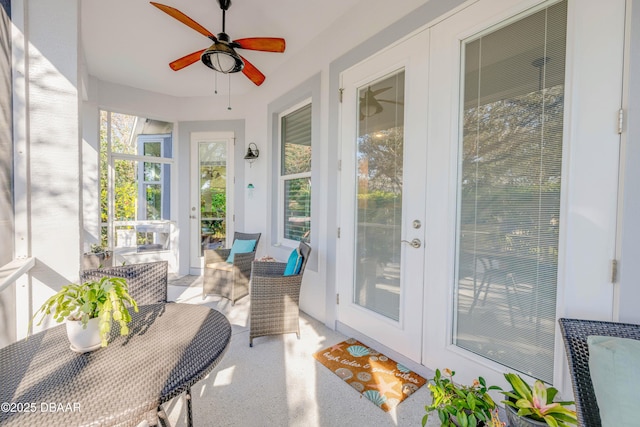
(147,281)
(274,298)
(575,333)
(229,280)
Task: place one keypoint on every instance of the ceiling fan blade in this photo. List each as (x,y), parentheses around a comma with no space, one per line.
(184,19)
(390,101)
(252,72)
(379,91)
(186,60)
(265,44)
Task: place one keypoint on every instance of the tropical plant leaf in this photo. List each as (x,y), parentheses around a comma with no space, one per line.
(539,394)
(551,422)
(520,387)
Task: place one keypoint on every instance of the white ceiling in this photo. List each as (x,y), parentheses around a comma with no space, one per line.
(131,42)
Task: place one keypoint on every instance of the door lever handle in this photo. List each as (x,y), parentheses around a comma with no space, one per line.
(416,243)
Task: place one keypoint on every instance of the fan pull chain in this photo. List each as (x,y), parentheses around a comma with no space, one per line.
(229,101)
(215,84)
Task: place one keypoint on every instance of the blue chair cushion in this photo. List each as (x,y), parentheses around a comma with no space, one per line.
(241,247)
(614,364)
(294,263)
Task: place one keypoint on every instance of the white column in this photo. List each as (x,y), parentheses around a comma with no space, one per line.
(47,137)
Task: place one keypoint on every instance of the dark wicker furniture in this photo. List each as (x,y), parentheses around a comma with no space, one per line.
(575,333)
(230,281)
(121,384)
(147,281)
(274,298)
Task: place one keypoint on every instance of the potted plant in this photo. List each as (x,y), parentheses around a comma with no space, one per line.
(97,257)
(89,308)
(461,405)
(534,406)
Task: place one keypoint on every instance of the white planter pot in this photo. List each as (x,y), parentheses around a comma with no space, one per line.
(84,339)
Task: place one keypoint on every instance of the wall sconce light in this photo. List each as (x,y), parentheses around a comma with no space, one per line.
(252,154)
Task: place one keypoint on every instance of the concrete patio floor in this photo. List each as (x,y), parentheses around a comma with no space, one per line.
(278,382)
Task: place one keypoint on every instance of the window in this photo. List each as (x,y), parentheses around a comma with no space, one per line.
(151,172)
(135,174)
(295,174)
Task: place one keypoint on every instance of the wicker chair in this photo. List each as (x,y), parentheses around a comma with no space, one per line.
(274,298)
(147,281)
(575,333)
(230,281)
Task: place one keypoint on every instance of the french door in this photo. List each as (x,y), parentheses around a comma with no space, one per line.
(383,177)
(521,138)
(506,185)
(211,194)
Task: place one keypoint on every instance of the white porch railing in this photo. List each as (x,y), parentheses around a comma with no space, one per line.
(9,273)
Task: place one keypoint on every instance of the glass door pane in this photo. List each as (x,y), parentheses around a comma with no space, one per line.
(509,192)
(213,194)
(379,157)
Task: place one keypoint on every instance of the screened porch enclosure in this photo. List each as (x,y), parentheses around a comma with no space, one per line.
(135,186)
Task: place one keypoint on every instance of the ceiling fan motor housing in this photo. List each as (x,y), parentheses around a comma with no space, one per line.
(222,57)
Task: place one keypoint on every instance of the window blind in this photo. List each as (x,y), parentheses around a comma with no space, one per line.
(296,174)
(296,141)
(509,192)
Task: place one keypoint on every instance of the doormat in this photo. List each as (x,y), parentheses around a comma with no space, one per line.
(380,379)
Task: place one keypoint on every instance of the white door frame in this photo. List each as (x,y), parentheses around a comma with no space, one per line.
(404,335)
(588,201)
(195,260)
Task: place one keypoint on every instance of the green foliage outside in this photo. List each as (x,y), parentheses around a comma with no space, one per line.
(380,194)
(298,205)
(213,200)
(218,210)
(510,198)
(126,183)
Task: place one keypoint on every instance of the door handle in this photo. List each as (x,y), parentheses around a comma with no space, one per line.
(416,243)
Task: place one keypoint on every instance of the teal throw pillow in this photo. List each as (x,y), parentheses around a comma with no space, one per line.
(615,372)
(241,247)
(294,263)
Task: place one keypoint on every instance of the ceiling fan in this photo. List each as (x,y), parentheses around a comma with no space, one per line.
(221,55)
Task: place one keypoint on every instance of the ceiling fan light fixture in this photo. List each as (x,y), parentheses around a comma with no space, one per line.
(369,106)
(221,57)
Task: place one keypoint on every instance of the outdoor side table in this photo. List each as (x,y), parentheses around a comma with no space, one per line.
(169,348)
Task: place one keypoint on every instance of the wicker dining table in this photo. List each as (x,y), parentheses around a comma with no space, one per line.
(169,348)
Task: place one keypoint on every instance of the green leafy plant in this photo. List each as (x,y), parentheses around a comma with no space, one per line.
(98,249)
(105,299)
(468,406)
(537,402)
